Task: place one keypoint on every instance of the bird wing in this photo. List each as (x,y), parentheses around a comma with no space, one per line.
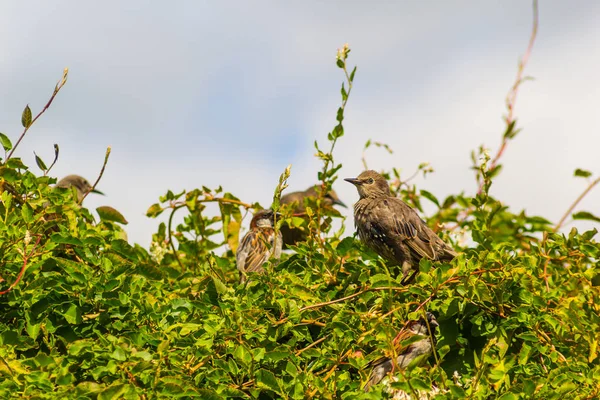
(255,250)
(399,221)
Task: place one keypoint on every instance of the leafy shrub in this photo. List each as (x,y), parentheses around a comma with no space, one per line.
(85,314)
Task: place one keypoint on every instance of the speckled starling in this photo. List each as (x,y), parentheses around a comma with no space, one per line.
(258,245)
(293,235)
(407,353)
(392,228)
(81,185)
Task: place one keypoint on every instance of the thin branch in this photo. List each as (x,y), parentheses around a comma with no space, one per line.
(313,344)
(511,98)
(171,243)
(57,88)
(575,203)
(99,176)
(24,266)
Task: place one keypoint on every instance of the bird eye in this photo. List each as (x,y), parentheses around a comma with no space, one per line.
(370,181)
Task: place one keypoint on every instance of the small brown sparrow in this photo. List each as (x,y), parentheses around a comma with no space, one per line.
(412,354)
(258,244)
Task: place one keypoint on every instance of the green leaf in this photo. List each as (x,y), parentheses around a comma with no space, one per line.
(73,315)
(586,215)
(430,197)
(27,213)
(267,380)
(582,173)
(40,163)
(108,213)
(5,141)
(26,117)
(154,211)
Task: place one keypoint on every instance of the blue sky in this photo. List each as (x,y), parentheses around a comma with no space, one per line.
(194,93)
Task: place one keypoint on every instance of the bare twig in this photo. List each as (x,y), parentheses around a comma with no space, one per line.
(57,88)
(575,203)
(99,176)
(24,266)
(511,98)
(313,344)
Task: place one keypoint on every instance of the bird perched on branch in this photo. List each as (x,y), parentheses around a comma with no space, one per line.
(259,244)
(409,350)
(392,228)
(81,185)
(292,235)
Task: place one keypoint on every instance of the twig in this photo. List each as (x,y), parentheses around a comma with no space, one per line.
(99,176)
(57,88)
(313,344)
(24,266)
(171,236)
(56,151)
(575,203)
(511,98)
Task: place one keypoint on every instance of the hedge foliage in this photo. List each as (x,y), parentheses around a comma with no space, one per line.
(86,314)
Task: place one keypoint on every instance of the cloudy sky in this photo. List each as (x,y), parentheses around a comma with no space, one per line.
(193,93)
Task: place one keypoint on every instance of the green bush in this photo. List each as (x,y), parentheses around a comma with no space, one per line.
(85,314)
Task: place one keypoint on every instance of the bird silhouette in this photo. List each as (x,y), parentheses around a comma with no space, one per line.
(408,353)
(392,228)
(258,244)
(293,235)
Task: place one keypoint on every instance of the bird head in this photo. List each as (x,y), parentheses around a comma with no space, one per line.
(264,219)
(81,185)
(370,185)
(419,327)
(330,199)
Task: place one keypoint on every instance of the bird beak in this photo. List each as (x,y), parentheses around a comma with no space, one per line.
(96,191)
(278,215)
(434,323)
(340,203)
(354,181)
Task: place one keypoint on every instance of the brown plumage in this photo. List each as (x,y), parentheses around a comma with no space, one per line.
(258,245)
(293,235)
(81,185)
(392,228)
(408,353)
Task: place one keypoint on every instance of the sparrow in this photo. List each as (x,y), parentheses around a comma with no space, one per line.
(81,185)
(392,228)
(293,235)
(258,244)
(409,350)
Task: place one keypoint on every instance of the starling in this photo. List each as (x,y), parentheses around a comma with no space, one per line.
(293,235)
(81,185)
(414,353)
(392,228)
(258,245)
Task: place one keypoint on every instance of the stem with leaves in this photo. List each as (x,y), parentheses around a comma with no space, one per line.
(327,174)
(511,99)
(26,118)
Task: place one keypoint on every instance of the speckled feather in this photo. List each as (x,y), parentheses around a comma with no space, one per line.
(391,227)
(258,245)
